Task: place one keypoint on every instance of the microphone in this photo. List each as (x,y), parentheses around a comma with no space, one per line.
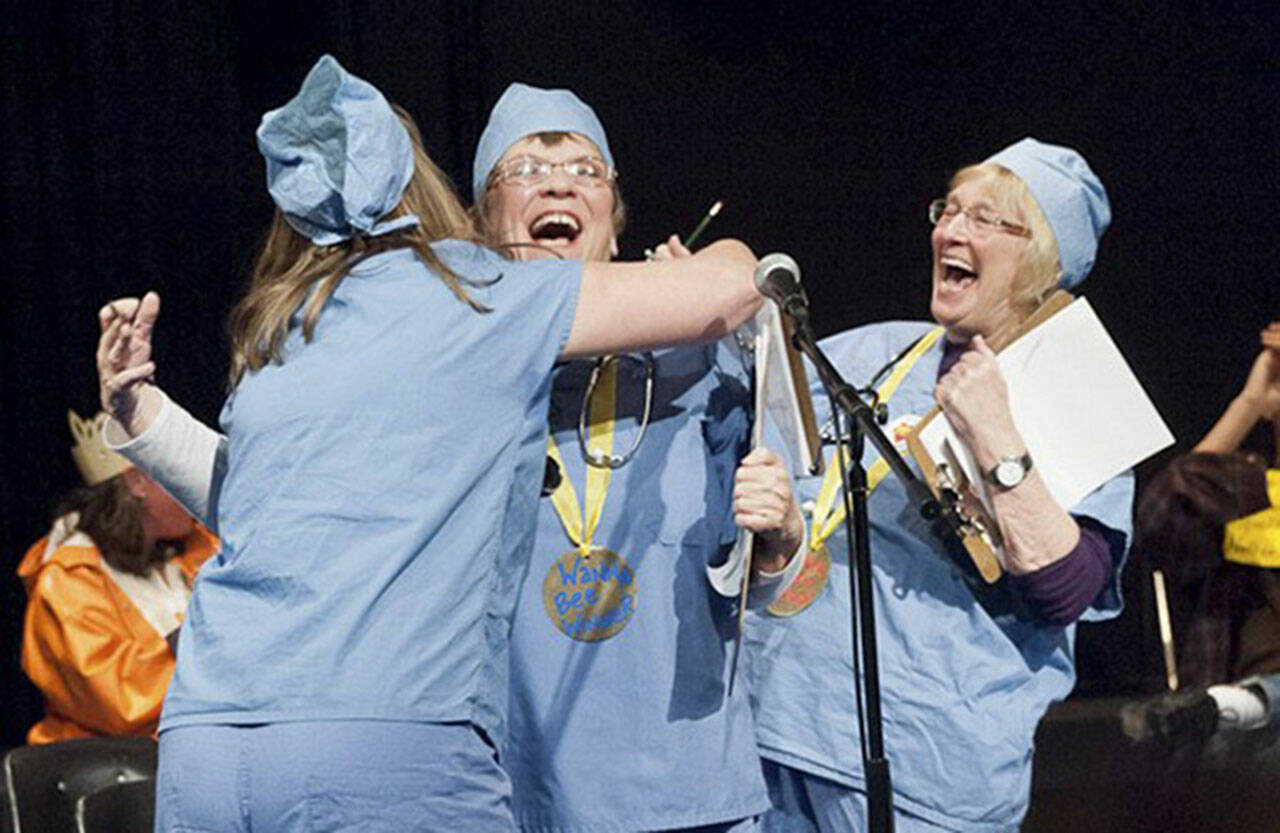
(778,279)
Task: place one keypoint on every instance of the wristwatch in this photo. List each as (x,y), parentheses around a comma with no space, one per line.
(1010,471)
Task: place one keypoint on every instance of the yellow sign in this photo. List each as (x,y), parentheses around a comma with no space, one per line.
(1254,540)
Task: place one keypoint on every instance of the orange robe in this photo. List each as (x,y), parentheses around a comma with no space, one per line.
(92,637)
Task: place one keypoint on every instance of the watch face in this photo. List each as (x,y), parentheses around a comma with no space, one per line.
(1009,473)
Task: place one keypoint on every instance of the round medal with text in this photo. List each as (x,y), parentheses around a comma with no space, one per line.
(807,586)
(590,596)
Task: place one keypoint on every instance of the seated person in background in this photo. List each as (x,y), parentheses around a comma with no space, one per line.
(107,589)
(1208,522)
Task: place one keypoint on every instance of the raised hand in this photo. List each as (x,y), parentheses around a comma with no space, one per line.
(975,398)
(669,250)
(1262,388)
(125,365)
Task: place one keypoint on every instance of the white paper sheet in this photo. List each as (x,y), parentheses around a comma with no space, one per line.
(776,393)
(774,400)
(1082,412)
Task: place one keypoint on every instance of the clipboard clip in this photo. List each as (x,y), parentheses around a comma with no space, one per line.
(970,518)
(963,512)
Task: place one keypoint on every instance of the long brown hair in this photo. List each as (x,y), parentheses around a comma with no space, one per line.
(290,265)
(112,517)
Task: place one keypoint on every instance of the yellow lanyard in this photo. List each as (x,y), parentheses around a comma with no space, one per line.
(825,521)
(580,526)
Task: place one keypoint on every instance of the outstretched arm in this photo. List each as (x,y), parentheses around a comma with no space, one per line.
(637,306)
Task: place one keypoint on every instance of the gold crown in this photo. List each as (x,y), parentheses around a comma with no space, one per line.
(96,462)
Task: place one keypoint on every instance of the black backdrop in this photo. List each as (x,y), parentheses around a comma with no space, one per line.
(128,164)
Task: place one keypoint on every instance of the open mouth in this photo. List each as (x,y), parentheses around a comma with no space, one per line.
(555,228)
(957,273)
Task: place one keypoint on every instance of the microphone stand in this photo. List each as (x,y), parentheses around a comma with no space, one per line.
(862,619)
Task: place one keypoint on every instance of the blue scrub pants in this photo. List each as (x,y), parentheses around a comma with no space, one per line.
(804,803)
(316,776)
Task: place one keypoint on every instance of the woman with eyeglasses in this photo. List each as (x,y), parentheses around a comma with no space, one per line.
(620,716)
(344,662)
(967,669)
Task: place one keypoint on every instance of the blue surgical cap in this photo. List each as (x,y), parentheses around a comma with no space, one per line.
(1071,197)
(522,111)
(338,158)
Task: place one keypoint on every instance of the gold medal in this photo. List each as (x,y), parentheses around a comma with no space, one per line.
(807,586)
(589,593)
(590,596)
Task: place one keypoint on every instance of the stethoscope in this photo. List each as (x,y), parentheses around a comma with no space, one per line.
(596,457)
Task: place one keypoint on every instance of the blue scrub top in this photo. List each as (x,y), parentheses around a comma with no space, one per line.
(377,507)
(636,731)
(965,675)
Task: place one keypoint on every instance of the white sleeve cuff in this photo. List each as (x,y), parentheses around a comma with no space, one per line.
(767,587)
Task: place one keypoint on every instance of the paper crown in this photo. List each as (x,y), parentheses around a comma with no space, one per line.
(96,462)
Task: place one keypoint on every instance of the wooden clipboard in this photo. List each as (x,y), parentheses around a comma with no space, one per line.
(978,531)
(812,440)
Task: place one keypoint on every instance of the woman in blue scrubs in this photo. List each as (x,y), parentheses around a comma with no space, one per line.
(344,661)
(967,669)
(621,717)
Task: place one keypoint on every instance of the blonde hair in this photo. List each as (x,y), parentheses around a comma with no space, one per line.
(480,211)
(291,269)
(1038,271)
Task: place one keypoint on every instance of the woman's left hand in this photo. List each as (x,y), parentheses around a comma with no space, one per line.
(670,250)
(975,399)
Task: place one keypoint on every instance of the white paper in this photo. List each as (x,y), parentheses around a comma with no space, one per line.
(775,400)
(1082,412)
(776,382)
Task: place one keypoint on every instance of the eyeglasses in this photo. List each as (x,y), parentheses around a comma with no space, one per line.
(530,170)
(982,221)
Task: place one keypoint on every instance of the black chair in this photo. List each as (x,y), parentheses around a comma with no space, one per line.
(129,807)
(6,816)
(44,782)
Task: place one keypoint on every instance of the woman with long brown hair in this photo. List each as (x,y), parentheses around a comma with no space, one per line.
(107,588)
(344,662)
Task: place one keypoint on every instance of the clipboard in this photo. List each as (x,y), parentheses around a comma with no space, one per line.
(978,531)
(781,394)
